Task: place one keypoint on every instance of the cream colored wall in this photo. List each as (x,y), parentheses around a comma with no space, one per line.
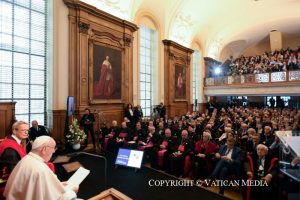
(292,42)
(60,55)
(146,18)
(225,54)
(260,48)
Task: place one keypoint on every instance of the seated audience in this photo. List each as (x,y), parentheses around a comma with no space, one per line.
(275,61)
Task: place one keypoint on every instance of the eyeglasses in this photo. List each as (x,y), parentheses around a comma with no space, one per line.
(55,147)
(23,130)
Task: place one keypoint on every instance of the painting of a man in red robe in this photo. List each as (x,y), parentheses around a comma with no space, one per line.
(179,82)
(180,85)
(106,73)
(105,85)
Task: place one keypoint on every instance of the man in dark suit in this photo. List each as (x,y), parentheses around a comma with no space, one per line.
(138,113)
(268,137)
(36,131)
(231,158)
(87,121)
(162,110)
(210,106)
(265,169)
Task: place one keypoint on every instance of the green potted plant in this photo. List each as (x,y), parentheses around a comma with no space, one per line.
(75,135)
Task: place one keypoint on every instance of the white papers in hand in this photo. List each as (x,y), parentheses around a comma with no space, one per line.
(77,177)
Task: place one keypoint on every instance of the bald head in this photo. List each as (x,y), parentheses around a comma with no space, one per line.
(114,123)
(34,124)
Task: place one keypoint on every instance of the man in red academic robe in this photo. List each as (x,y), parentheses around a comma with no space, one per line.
(11,150)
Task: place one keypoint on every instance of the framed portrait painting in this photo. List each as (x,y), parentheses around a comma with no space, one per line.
(105,72)
(180,82)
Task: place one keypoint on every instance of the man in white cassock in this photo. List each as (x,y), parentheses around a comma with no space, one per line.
(33,179)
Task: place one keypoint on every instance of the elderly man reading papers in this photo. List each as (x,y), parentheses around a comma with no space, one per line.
(33,179)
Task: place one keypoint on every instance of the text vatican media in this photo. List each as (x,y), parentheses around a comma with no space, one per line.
(204,183)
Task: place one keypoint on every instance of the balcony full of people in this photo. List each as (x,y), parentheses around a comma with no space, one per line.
(274,61)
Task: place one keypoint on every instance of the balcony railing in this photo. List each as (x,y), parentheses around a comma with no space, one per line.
(274,77)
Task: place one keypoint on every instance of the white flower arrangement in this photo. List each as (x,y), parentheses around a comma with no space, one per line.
(75,134)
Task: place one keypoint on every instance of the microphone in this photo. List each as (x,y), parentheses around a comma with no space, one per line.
(94,155)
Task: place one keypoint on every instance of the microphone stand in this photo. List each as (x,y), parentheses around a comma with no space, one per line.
(94,155)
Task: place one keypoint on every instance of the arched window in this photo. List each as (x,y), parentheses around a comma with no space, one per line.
(23,57)
(147,63)
(196,68)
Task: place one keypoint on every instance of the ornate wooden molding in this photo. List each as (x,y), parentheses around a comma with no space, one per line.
(171,55)
(79,5)
(181,60)
(83,27)
(127,40)
(101,36)
(177,46)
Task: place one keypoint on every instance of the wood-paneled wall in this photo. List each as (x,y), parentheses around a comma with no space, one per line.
(59,118)
(176,55)
(7,118)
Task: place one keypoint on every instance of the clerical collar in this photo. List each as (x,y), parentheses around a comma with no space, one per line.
(16,138)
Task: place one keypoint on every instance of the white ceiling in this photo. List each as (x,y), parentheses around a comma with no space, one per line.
(213,24)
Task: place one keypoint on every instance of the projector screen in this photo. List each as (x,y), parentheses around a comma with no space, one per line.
(129,158)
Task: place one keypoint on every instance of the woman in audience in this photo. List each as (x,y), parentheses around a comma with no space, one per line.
(203,158)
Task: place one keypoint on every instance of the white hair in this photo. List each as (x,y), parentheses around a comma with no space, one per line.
(41,141)
(262,146)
